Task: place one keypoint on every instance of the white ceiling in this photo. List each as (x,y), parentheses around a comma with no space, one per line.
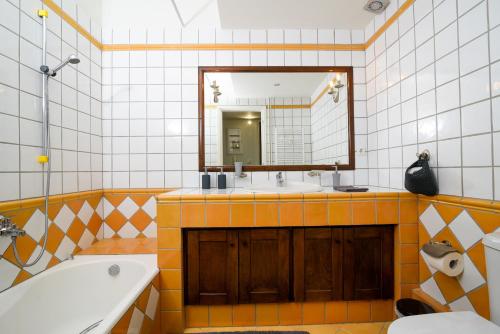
(293,14)
(261,85)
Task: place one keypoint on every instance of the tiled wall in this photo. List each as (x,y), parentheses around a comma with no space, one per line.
(294,126)
(75,223)
(129,215)
(150,99)
(432,83)
(75,102)
(143,317)
(464,225)
(329,124)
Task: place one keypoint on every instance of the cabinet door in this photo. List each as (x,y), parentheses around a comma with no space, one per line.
(264,265)
(212,267)
(317,264)
(368,262)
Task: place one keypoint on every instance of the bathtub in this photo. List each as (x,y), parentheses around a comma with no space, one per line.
(76,295)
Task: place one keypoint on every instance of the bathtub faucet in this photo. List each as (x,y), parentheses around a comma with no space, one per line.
(9,229)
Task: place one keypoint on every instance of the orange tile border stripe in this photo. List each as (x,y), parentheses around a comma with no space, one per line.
(81,30)
(388,23)
(466,202)
(229,47)
(38,201)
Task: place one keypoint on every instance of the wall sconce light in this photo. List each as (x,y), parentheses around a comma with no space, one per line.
(216,91)
(334,88)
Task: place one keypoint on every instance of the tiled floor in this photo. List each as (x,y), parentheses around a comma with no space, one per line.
(364,328)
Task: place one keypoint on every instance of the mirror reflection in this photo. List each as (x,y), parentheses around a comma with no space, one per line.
(276,118)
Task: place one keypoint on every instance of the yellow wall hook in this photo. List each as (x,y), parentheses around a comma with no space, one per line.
(43,13)
(43,159)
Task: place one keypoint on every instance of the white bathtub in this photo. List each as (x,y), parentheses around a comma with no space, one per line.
(75,294)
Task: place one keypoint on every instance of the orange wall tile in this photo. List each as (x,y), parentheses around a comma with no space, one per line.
(217,214)
(266,214)
(193,214)
(220,316)
(291,214)
(387,212)
(408,212)
(315,213)
(169,238)
(313,313)
(242,214)
(171,300)
(336,312)
(244,315)
(171,279)
(358,311)
(267,315)
(169,215)
(290,313)
(196,316)
(169,259)
(363,213)
(340,213)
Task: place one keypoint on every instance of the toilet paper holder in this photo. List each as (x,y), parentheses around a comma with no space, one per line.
(438,248)
(441,257)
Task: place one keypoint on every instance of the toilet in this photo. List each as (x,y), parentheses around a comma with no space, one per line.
(462,322)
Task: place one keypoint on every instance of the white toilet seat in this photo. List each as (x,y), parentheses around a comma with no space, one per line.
(444,323)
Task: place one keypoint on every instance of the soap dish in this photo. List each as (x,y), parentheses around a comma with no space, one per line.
(350,189)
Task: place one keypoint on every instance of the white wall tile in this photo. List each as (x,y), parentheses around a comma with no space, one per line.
(472,24)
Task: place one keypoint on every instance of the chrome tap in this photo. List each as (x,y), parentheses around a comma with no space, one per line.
(8,229)
(280,181)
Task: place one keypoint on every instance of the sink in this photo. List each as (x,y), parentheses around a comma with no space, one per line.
(287,188)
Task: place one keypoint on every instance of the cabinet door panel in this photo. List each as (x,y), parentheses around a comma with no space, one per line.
(264,265)
(368,263)
(212,269)
(318,264)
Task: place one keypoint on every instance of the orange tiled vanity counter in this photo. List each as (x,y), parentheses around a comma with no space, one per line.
(179,210)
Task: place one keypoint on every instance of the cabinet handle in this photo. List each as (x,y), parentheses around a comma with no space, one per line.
(337,242)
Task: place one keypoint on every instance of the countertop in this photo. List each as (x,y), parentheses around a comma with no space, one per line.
(244,191)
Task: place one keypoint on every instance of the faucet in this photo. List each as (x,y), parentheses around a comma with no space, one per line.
(9,229)
(280,181)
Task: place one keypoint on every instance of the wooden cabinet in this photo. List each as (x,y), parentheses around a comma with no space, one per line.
(368,263)
(264,265)
(288,264)
(317,261)
(211,264)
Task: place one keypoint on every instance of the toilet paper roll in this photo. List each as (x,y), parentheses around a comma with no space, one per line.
(452,264)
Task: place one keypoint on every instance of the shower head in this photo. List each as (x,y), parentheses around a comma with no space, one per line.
(72,59)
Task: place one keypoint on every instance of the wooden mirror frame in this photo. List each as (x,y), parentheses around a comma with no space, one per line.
(262,69)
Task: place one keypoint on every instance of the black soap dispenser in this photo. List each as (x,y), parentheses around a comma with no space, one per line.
(205,180)
(221,179)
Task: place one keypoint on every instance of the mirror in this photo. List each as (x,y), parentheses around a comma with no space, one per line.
(276,118)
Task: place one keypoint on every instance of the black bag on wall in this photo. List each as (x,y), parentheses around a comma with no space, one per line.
(419,178)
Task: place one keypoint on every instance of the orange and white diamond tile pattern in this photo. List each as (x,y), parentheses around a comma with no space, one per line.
(463,226)
(143,317)
(73,225)
(129,215)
